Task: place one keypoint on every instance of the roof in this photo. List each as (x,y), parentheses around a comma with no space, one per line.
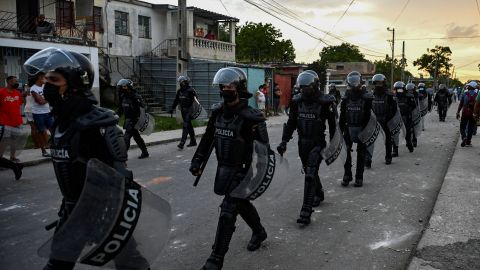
(203,13)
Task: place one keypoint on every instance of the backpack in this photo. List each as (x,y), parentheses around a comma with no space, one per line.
(468,104)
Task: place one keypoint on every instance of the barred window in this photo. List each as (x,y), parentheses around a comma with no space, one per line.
(96,23)
(121,23)
(144,27)
(64,13)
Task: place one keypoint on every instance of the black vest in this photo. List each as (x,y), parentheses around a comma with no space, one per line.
(310,123)
(402,101)
(442,97)
(185,98)
(379,106)
(355,112)
(231,149)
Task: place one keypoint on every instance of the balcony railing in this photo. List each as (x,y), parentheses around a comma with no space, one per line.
(23,26)
(197,48)
(212,44)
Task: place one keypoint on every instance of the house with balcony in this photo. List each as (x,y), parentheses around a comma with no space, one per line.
(21,36)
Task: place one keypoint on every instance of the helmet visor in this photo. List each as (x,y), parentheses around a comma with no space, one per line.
(49,59)
(354,81)
(226,76)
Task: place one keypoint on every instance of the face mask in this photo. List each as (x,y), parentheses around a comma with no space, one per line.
(229,96)
(50,92)
(15,85)
(379,88)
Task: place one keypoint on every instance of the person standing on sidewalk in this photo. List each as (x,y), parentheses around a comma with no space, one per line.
(277,94)
(231,132)
(42,118)
(260,99)
(467,106)
(28,113)
(185,97)
(130,104)
(309,113)
(10,117)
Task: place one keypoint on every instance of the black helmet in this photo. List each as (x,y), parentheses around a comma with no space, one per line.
(75,67)
(332,86)
(354,80)
(410,87)
(308,82)
(399,85)
(421,86)
(379,80)
(124,82)
(232,75)
(442,86)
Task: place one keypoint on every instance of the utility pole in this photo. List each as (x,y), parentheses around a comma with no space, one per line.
(403,61)
(393,55)
(435,81)
(182,38)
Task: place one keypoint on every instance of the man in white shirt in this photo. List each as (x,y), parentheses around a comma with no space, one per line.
(260,98)
(41,112)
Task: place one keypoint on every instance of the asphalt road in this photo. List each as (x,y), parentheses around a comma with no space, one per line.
(373,227)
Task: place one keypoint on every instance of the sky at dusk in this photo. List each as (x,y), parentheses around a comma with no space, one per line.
(365,24)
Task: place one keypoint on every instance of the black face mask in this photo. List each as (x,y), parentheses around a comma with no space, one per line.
(229,96)
(379,89)
(15,85)
(50,92)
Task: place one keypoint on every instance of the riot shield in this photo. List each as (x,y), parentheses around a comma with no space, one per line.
(336,148)
(13,139)
(423,107)
(197,110)
(417,121)
(115,224)
(369,135)
(260,174)
(146,123)
(396,127)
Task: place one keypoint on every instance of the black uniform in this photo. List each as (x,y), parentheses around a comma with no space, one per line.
(232,132)
(309,116)
(336,94)
(355,111)
(406,103)
(416,97)
(185,97)
(442,100)
(131,102)
(384,106)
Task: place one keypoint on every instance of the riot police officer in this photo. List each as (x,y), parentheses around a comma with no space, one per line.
(185,97)
(425,101)
(309,112)
(384,106)
(82,131)
(355,113)
(412,89)
(130,104)
(406,104)
(333,91)
(442,100)
(231,131)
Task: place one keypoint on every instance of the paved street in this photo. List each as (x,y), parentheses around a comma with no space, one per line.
(373,227)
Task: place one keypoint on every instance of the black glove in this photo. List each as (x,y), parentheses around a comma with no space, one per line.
(195,166)
(282,148)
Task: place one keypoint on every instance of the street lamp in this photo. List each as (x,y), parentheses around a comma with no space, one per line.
(393,54)
(329,72)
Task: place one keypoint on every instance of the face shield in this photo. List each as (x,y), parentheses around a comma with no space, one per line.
(354,81)
(48,60)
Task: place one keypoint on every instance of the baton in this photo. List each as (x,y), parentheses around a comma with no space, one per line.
(51,225)
(204,164)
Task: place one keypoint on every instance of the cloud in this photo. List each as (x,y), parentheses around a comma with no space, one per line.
(454,30)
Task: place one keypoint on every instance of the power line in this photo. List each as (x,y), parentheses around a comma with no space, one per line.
(439,38)
(478,8)
(401,12)
(476,61)
(221,2)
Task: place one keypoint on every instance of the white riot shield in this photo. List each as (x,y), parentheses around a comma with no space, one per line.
(396,128)
(197,110)
(115,224)
(146,123)
(417,121)
(260,174)
(13,139)
(369,135)
(423,106)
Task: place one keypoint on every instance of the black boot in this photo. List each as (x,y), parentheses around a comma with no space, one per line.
(368,164)
(305,215)
(192,143)
(144,155)
(214,262)
(18,171)
(256,240)
(308,195)
(358,181)
(395,151)
(15,167)
(410,147)
(464,142)
(319,194)
(388,160)
(347,178)
(181,145)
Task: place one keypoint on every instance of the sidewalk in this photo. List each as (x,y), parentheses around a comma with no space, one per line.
(32,157)
(452,238)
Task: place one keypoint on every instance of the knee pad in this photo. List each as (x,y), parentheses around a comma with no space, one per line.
(228,211)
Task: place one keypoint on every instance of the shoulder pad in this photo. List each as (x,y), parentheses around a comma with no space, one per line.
(97,117)
(252,114)
(297,97)
(326,99)
(368,96)
(217,107)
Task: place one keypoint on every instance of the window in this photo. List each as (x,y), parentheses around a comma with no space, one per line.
(144,27)
(64,13)
(96,23)
(121,23)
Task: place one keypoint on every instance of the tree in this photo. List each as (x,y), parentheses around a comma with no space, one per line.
(258,42)
(436,61)
(345,52)
(385,67)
